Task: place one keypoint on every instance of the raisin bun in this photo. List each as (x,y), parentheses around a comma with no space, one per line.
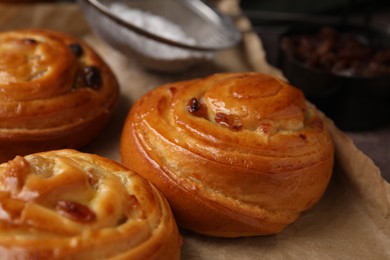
(56,92)
(66,204)
(236,154)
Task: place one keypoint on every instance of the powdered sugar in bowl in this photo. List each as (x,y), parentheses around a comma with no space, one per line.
(169,35)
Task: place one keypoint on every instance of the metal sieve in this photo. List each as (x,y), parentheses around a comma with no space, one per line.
(208,29)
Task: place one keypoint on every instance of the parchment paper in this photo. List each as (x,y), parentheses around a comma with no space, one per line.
(350,222)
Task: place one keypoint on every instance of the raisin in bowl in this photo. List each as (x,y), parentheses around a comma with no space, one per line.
(343,70)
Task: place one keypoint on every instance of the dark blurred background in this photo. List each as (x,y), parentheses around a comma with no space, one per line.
(270,18)
(308,6)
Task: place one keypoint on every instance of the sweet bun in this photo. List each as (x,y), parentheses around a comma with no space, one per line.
(55,92)
(236,154)
(66,204)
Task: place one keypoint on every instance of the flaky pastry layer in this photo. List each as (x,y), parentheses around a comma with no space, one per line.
(236,154)
(71,205)
(55,92)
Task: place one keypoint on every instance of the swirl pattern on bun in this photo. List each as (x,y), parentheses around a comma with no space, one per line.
(236,154)
(55,92)
(66,204)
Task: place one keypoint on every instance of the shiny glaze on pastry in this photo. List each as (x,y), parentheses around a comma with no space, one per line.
(55,92)
(236,154)
(66,204)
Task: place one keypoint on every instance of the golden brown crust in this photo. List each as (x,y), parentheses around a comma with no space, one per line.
(56,92)
(71,205)
(235,154)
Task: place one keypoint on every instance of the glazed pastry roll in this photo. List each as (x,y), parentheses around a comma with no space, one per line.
(55,92)
(236,154)
(66,204)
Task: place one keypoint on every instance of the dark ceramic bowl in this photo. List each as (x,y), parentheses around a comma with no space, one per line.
(354,100)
